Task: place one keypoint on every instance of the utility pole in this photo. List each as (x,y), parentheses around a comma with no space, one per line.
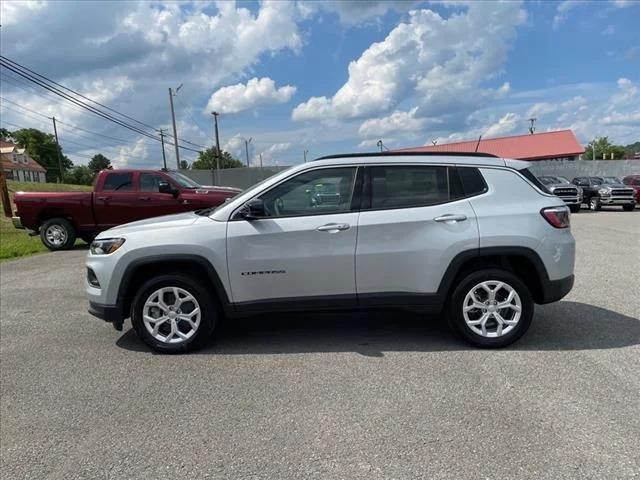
(55,132)
(260,161)
(164,158)
(175,132)
(4,192)
(215,119)
(246,148)
(304,152)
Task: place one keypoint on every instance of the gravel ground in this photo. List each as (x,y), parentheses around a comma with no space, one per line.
(386,395)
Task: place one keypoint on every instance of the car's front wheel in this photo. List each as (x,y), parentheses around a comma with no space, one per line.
(629,208)
(574,208)
(172,313)
(491,308)
(595,204)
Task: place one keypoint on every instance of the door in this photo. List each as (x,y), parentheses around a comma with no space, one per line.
(410,228)
(303,248)
(153,203)
(116,203)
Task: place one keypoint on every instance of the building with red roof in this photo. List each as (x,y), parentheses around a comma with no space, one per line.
(558,145)
(18,165)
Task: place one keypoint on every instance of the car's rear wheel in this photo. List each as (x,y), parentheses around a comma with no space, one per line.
(172,313)
(574,208)
(629,208)
(491,308)
(595,204)
(57,234)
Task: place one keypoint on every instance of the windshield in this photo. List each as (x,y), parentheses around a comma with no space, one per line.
(611,180)
(183,180)
(563,180)
(597,180)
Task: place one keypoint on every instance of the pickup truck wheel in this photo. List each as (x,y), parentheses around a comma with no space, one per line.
(595,204)
(172,313)
(57,234)
(491,308)
(629,208)
(574,208)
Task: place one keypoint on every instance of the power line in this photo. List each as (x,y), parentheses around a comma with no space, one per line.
(16,68)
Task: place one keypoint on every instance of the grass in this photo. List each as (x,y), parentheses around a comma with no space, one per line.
(16,243)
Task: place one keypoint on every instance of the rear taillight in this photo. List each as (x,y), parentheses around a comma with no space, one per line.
(557,217)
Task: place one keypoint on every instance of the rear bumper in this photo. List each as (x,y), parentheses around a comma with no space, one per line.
(554,290)
(108,313)
(17,222)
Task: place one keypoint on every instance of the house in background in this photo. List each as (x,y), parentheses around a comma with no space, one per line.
(558,145)
(18,165)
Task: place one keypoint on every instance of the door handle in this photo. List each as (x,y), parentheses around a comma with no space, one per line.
(450,217)
(333,227)
(104,199)
(144,198)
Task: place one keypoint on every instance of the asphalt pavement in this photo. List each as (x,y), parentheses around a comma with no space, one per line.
(385,395)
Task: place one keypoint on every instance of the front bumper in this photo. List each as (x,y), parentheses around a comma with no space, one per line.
(17,222)
(554,290)
(108,313)
(610,200)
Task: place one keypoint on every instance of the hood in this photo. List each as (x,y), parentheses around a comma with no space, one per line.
(614,185)
(166,221)
(562,185)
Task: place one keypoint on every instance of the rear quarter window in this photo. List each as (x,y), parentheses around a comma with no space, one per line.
(526,173)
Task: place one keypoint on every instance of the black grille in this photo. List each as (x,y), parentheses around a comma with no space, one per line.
(565,191)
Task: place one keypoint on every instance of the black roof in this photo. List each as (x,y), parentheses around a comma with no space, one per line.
(409,154)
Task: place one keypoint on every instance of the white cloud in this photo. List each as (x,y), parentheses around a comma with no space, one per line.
(241,97)
(272,155)
(562,11)
(397,122)
(439,63)
(505,125)
(138,152)
(354,12)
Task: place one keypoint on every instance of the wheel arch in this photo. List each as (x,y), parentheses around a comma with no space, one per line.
(142,269)
(521,261)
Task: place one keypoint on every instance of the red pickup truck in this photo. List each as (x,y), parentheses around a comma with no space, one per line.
(119,196)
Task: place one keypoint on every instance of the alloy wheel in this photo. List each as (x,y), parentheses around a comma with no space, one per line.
(56,235)
(171,315)
(492,308)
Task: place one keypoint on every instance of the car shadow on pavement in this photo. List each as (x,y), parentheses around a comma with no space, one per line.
(559,326)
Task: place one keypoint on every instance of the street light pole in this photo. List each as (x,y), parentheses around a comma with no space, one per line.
(175,131)
(246,148)
(215,119)
(305,155)
(55,132)
(164,158)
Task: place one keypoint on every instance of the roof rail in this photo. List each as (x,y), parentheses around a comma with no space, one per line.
(409,154)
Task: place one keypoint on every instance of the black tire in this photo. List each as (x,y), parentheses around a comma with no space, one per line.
(57,234)
(574,208)
(595,204)
(208,309)
(628,208)
(456,303)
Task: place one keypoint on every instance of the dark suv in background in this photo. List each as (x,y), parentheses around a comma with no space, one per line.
(599,191)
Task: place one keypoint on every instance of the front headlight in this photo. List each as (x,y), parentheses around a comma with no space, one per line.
(105,246)
(604,191)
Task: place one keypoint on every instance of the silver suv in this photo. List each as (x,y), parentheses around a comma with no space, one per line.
(473,235)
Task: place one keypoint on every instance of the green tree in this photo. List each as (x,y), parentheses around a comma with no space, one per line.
(603,146)
(43,149)
(632,149)
(184,165)
(80,175)
(98,162)
(207,160)
(6,135)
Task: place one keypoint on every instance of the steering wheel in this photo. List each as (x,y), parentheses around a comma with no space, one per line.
(278,206)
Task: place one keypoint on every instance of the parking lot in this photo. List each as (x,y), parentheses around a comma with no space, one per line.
(385,395)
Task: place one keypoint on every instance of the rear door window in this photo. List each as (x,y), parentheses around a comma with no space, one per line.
(118,182)
(408,186)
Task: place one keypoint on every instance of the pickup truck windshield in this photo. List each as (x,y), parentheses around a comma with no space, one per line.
(183,180)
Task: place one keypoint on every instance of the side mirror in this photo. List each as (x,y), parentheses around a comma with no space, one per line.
(165,187)
(253,209)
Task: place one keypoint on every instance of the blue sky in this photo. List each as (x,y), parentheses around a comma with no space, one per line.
(322,76)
